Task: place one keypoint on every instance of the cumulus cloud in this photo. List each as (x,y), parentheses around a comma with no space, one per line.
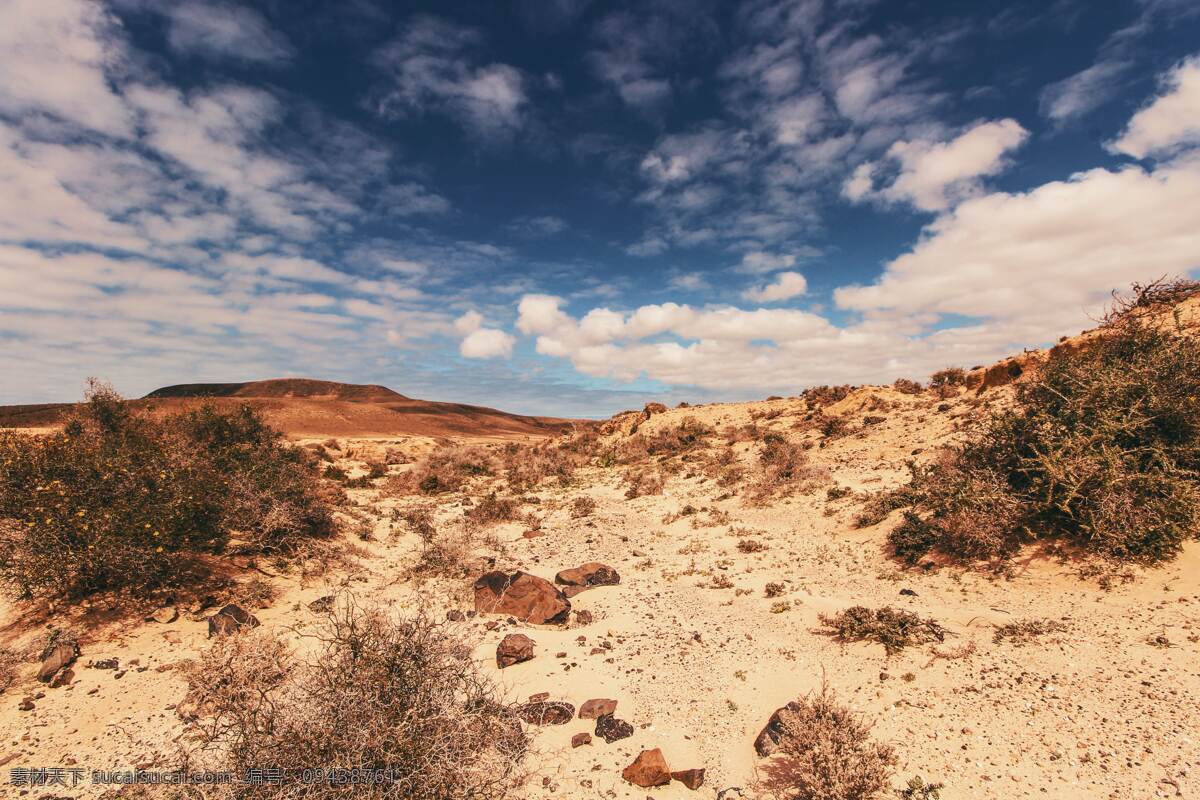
(1171,121)
(481,342)
(785,286)
(934,175)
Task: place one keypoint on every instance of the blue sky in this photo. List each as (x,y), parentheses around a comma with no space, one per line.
(571,207)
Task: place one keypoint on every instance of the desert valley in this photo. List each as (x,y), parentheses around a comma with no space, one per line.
(688,569)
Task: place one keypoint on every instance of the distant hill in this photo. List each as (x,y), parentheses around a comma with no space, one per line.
(305,407)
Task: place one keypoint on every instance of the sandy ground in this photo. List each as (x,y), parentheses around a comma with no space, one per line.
(1096,711)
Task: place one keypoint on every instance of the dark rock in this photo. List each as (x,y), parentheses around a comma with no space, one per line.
(648,769)
(454,615)
(322,605)
(230,619)
(593,709)
(105,663)
(60,656)
(26,704)
(547,712)
(514,649)
(539,697)
(63,678)
(908,593)
(592,573)
(611,729)
(583,617)
(580,739)
(527,597)
(691,778)
(768,738)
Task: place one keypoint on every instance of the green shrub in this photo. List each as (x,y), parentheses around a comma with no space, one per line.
(123,499)
(1102,452)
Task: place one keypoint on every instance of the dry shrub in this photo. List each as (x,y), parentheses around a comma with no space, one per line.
(826,395)
(376,469)
(527,466)
(906,386)
(1027,630)
(688,435)
(894,628)
(950,376)
(9,664)
(378,695)
(421,522)
(446,469)
(1103,452)
(449,552)
(643,482)
(783,467)
(582,506)
(492,510)
(834,427)
(121,499)
(828,753)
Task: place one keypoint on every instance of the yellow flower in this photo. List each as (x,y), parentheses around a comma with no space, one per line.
(158,549)
(79,513)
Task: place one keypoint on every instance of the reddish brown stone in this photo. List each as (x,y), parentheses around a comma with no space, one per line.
(592,573)
(60,657)
(691,778)
(580,739)
(527,597)
(648,769)
(597,708)
(768,738)
(514,649)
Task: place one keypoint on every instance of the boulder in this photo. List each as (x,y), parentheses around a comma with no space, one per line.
(593,709)
(547,712)
(592,573)
(611,729)
(768,738)
(648,769)
(513,649)
(527,597)
(230,619)
(63,678)
(60,657)
(691,778)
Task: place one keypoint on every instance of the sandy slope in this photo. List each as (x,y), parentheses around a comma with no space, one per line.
(1094,712)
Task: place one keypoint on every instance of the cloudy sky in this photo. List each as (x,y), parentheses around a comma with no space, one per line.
(570,207)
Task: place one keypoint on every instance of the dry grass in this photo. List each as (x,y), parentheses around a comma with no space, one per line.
(447,469)
(379,695)
(1027,630)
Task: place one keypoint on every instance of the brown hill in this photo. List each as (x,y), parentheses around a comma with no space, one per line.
(305,407)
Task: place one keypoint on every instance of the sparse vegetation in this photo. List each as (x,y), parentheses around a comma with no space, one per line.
(918,789)
(121,499)
(447,469)
(582,506)
(1027,630)
(906,386)
(830,752)
(492,510)
(379,695)
(783,466)
(1103,452)
(894,628)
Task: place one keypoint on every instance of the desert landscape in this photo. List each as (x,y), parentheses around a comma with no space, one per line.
(658,587)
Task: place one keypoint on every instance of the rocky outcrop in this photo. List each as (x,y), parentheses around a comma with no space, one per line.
(230,619)
(59,657)
(768,738)
(518,594)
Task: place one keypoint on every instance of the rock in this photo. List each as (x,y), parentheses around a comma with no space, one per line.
(908,593)
(527,597)
(322,605)
(597,708)
(514,649)
(691,778)
(454,615)
(547,712)
(583,617)
(60,656)
(105,663)
(648,769)
(768,738)
(592,573)
(63,678)
(26,704)
(580,739)
(230,619)
(165,615)
(532,534)
(539,697)
(611,729)
(571,591)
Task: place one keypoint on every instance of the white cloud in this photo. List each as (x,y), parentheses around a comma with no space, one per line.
(432,67)
(487,343)
(1171,121)
(786,285)
(935,175)
(1083,92)
(57,57)
(757,262)
(225,31)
